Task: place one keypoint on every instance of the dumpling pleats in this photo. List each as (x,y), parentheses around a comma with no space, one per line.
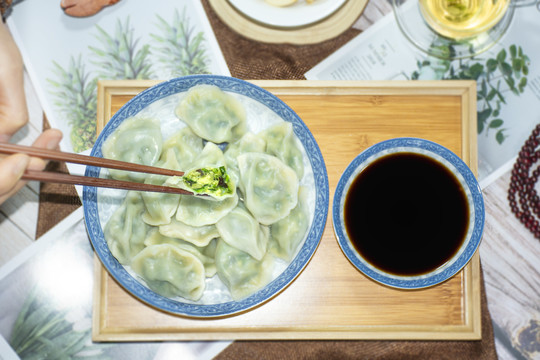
(171,271)
(270,187)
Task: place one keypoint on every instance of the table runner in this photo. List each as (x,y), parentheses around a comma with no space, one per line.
(250,60)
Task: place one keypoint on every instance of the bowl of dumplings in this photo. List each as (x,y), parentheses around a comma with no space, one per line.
(199,256)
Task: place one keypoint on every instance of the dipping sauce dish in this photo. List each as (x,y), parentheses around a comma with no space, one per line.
(408,213)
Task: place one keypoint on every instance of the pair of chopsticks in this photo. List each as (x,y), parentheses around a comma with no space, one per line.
(62,178)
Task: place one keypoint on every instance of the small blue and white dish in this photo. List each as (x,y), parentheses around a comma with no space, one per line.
(408,213)
(262,108)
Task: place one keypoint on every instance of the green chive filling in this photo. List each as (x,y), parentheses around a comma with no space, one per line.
(213,181)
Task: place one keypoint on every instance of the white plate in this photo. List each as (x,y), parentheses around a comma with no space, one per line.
(299,14)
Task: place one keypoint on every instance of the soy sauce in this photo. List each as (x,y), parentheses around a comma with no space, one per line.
(406,214)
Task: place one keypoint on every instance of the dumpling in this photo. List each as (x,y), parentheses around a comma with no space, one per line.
(248,143)
(197,235)
(242,274)
(288,233)
(124,231)
(212,114)
(186,147)
(197,211)
(210,156)
(160,207)
(137,140)
(205,254)
(170,271)
(239,229)
(282,143)
(207,175)
(270,187)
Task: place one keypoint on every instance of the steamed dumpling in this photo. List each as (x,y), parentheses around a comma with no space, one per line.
(239,229)
(160,207)
(281,142)
(137,140)
(186,147)
(171,271)
(287,234)
(124,231)
(240,272)
(205,253)
(248,143)
(212,114)
(197,235)
(270,187)
(198,211)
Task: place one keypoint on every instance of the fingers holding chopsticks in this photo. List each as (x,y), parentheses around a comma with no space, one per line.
(12,167)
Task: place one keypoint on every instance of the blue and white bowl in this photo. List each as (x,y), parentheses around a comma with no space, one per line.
(468,183)
(263,108)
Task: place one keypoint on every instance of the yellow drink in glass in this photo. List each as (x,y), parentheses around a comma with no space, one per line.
(460,19)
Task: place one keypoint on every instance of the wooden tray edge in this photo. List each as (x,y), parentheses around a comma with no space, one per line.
(471,330)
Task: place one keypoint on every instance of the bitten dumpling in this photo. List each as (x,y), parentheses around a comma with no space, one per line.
(171,271)
(124,231)
(270,187)
(137,140)
(207,175)
(242,274)
(212,114)
(239,229)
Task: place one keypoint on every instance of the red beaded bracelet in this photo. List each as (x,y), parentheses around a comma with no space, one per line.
(522,184)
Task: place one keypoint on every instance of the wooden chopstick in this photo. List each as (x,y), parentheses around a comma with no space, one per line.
(61,178)
(6,148)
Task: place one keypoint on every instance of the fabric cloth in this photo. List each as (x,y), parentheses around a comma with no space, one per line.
(5,7)
(250,60)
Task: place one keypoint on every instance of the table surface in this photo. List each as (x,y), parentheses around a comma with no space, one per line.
(504,250)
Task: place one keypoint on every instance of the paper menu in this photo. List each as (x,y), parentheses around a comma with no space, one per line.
(65,56)
(47,304)
(382,52)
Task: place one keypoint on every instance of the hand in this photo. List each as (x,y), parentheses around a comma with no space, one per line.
(13,116)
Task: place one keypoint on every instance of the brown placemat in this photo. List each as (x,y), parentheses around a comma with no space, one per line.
(56,201)
(248,59)
(251,60)
(369,349)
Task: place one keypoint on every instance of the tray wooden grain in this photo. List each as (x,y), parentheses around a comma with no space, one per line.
(328,28)
(330,299)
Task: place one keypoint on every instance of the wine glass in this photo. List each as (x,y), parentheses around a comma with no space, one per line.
(453,29)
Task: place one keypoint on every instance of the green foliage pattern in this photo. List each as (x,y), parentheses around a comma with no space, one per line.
(496,77)
(75,96)
(179,49)
(41,332)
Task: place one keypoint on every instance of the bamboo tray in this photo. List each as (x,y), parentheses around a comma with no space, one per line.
(328,28)
(330,299)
